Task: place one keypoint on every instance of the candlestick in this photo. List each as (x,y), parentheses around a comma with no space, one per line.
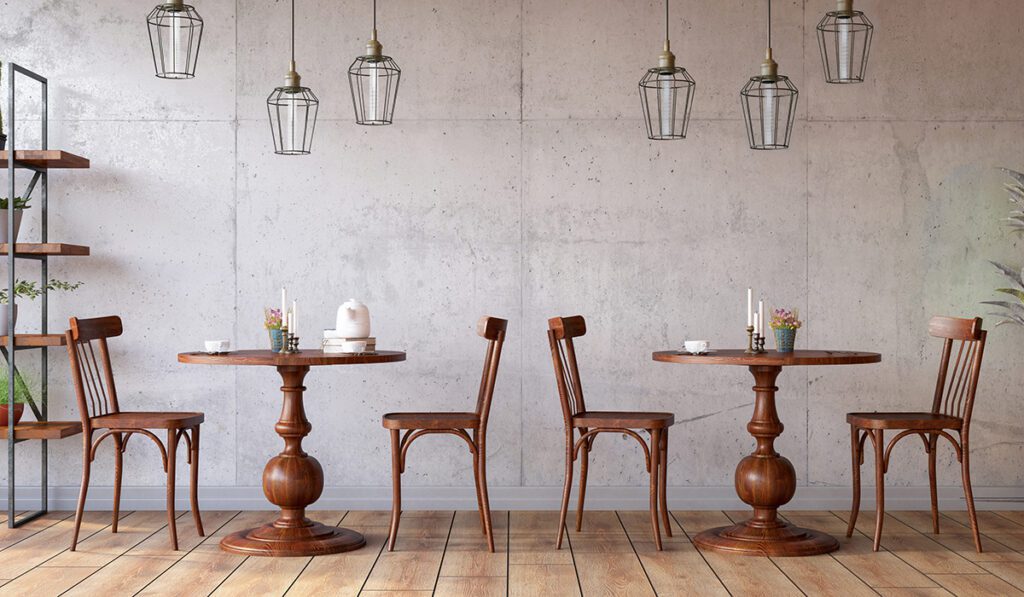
(750,307)
(750,338)
(295,317)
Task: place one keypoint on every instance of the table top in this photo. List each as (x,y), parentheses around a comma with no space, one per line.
(301,358)
(770,358)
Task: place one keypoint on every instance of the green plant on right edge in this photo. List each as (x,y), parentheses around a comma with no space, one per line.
(22,394)
(1013,310)
(19,203)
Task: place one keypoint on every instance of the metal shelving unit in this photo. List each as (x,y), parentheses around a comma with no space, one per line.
(39,162)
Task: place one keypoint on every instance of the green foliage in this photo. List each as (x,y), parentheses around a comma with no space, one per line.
(19,203)
(31,290)
(22,394)
(1013,309)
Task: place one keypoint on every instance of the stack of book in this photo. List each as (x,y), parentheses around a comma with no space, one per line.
(336,344)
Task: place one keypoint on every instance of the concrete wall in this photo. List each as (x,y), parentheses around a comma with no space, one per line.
(517,181)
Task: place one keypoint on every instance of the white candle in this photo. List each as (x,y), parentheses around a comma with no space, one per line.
(750,308)
(756,318)
(295,309)
(284,307)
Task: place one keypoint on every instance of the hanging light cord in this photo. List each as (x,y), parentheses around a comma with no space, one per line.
(769,24)
(293,30)
(374,15)
(666,20)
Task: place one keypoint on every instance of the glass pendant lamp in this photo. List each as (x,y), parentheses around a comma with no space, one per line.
(664,90)
(292,109)
(374,78)
(769,102)
(844,38)
(175,30)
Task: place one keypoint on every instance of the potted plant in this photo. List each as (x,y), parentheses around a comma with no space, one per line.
(21,396)
(1013,309)
(20,205)
(272,321)
(31,291)
(785,323)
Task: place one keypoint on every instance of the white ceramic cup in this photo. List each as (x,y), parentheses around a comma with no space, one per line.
(696,346)
(218,345)
(353,346)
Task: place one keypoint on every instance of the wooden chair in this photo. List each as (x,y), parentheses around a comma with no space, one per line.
(417,424)
(951,412)
(561,331)
(99,409)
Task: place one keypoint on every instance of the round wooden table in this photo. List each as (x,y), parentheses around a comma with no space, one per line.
(765,480)
(292,480)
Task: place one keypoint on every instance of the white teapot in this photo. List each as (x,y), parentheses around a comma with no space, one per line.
(353,320)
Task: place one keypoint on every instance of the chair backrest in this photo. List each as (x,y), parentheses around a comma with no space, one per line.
(958,379)
(91,373)
(493,330)
(561,331)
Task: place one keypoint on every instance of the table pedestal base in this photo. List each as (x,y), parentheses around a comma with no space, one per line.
(780,539)
(313,540)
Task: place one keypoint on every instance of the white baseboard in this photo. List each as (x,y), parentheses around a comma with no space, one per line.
(516,498)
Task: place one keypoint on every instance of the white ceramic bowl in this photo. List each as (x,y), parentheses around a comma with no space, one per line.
(215,346)
(696,346)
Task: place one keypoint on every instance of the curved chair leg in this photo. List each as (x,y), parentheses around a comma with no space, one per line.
(655,465)
(476,483)
(877,434)
(565,491)
(396,489)
(118,463)
(933,444)
(969,496)
(485,506)
(86,464)
(172,449)
(193,460)
(856,457)
(662,479)
(584,465)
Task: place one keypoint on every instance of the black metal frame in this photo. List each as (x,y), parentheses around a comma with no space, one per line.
(9,352)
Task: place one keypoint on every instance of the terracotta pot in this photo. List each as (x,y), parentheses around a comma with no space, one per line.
(19,409)
(3,224)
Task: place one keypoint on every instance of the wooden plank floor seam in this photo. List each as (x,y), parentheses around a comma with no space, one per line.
(439,553)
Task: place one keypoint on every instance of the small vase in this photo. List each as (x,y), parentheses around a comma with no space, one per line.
(3,224)
(19,409)
(785,338)
(276,340)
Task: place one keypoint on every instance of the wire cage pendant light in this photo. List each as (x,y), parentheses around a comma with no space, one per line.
(664,90)
(844,38)
(175,30)
(769,102)
(373,78)
(292,109)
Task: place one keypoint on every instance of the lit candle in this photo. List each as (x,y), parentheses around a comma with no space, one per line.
(750,308)
(284,307)
(295,309)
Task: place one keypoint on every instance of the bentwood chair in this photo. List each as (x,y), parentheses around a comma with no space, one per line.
(589,423)
(470,426)
(951,410)
(99,409)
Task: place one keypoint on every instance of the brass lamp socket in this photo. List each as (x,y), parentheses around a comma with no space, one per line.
(769,68)
(666,59)
(292,79)
(844,7)
(373,47)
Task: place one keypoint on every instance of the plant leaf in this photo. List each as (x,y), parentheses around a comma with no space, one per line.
(1012,292)
(1012,274)
(1006,305)
(1015,175)
(1016,192)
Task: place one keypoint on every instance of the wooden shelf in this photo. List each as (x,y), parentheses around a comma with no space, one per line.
(35,340)
(45,430)
(40,249)
(45,159)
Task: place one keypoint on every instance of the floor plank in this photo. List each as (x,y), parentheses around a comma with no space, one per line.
(49,543)
(1011,572)
(467,554)
(823,575)
(451,586)
(881,569)
(46,581)
(750,575)
(101,548)
(530,580)
(928,556)
(988,522)
(342,575)
(679,569)
(976,585)
(416,561)
(9,536)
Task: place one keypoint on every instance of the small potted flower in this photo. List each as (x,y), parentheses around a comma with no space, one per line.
(785,323)
(272,321)
(21,396)
(20,205)
(30,291)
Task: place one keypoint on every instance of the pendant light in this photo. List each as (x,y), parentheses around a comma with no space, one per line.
(175,30)
(844,38)
(769,102)
(663,90)
(374,82)
(292,110)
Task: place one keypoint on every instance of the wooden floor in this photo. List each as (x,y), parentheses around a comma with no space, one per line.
(443,553)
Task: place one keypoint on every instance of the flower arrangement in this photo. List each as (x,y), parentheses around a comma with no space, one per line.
(272,319)
(31,291)
(783,319)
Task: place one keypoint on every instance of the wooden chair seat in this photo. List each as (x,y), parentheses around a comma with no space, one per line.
(148,420)
(918,420)
(434,420)
(628,420)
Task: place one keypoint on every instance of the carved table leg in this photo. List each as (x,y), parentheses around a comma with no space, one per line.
(292,481)
(765,480)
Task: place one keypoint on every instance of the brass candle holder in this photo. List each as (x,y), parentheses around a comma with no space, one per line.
(289,342)
(750,340)
(759,344)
